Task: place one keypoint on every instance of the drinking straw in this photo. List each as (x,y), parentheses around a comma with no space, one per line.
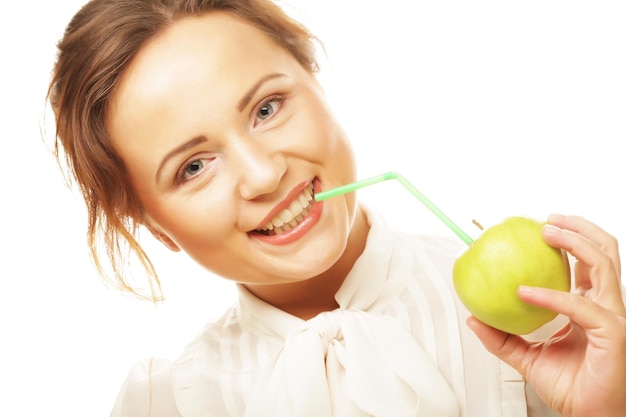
(342,189)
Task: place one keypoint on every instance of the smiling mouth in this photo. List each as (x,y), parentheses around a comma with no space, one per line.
(292,216)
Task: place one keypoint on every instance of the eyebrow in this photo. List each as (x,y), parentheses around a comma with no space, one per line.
(177,150)
(246,98)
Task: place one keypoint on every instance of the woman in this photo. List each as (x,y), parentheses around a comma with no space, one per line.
(203,122)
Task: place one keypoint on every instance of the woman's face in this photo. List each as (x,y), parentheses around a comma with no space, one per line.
(225,138)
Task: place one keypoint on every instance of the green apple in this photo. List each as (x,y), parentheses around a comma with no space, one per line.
(488,273)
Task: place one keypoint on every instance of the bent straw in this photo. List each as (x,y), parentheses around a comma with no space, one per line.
(342,189)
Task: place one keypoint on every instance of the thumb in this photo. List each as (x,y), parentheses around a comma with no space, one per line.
(508,347)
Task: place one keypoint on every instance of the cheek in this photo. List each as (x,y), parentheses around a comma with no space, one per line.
(340,160)
(194,221)
(343,152)
(321,136)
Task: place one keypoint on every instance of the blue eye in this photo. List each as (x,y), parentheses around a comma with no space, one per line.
(268,108)
(193,168)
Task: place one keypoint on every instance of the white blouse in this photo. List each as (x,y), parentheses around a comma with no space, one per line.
(397,346)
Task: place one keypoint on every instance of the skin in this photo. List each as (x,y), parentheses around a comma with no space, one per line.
(189,82)
(207,78)
(581,370)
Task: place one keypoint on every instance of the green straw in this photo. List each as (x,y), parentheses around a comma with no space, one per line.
(323,195)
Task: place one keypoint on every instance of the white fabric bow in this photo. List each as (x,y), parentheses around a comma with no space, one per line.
(352,363)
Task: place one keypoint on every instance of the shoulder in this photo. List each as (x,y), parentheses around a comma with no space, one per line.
(153,386)
(440,252)
(147,390)
(442,249)
(209,342)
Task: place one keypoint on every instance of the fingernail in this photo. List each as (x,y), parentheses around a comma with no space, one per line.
(551,229)
(472,323)
(555,217)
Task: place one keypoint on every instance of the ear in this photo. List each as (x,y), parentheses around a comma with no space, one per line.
(162,237)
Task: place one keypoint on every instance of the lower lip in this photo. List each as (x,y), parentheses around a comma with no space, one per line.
(301,229)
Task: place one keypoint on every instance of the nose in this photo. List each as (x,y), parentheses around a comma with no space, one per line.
(259,168)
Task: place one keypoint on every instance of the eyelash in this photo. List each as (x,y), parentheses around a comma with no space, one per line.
(274,98)
(181,179)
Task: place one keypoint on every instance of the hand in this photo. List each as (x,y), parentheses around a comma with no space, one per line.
(580,371)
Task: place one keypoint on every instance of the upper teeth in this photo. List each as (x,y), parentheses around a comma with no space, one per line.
(294,213)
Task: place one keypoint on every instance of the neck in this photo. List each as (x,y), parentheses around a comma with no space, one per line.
(308,298)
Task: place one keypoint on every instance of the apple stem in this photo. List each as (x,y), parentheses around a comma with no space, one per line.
(480,226)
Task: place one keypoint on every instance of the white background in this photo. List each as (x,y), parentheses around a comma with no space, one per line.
(491,108)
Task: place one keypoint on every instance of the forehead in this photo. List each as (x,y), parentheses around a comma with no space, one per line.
(189,81)
(214,46)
